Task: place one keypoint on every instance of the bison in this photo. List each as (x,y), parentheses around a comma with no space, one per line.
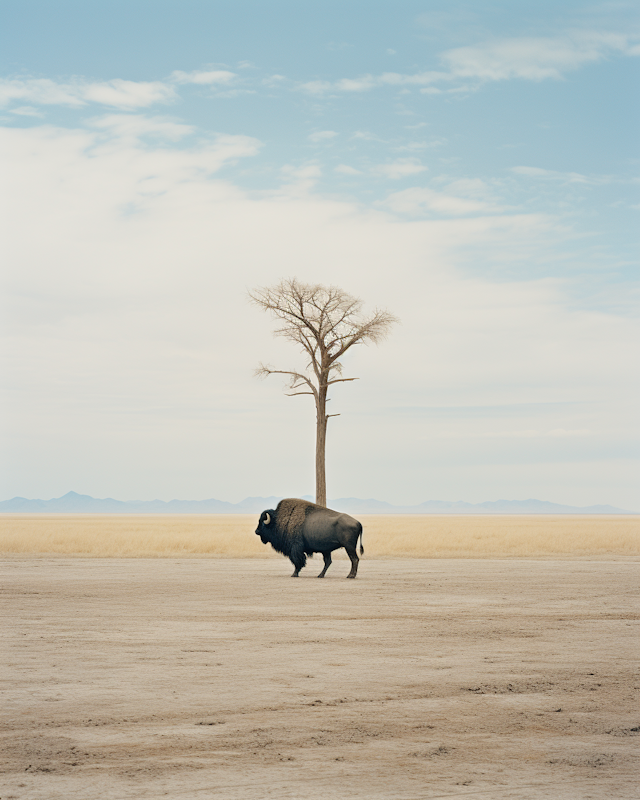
(297,529)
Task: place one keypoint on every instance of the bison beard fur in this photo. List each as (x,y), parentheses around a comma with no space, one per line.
(298,528)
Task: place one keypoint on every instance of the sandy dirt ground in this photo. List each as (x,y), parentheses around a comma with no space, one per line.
(225,678)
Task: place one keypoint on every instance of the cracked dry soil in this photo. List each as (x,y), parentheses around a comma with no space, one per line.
(145,678)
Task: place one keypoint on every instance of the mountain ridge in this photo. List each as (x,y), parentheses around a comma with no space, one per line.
(74,503)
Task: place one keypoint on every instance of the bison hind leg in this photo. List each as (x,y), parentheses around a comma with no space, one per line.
(353,555)
(327,564)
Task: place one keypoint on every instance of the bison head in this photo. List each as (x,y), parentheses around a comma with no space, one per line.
(266,525)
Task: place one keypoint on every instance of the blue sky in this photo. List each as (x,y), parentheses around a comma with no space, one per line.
(474,169)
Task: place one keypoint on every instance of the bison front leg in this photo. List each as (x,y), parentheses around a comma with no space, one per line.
(298,559)
(351,552)
(327,564)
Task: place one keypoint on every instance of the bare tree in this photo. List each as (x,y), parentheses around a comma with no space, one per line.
(325,322)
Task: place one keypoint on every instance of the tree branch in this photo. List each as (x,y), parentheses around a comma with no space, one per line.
(341,380)
(297,378)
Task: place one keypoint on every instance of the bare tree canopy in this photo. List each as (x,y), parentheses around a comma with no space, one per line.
(325,322)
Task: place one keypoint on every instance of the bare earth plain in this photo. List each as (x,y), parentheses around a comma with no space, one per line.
(222,677)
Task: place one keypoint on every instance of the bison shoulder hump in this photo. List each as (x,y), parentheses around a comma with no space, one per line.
(291,514)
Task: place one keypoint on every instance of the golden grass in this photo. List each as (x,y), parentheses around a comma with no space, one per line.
(110,535)
(502,536)
(132,535)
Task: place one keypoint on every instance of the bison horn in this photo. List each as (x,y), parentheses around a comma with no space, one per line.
(267,520)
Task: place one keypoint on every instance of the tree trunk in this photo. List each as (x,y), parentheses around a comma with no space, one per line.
(321,440)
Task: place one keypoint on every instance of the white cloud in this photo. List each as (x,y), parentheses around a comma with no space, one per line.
(533,58)
(418,201)
(300,179)
(422,145)
(26,111)
(116,93)
(417,79)
(530,58)
(273,80)
(366,136)
(402,168)
(134,126)
(345,169)
(355,84)
(367,82)
(42,91)
(316,87)
(128,94)
(320,136)
(203,77)
(308,171)
(132,176)
(549,174)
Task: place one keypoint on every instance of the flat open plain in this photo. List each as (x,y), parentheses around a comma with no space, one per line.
(225,678)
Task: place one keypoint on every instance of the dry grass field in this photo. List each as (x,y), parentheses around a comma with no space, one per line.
(384,536)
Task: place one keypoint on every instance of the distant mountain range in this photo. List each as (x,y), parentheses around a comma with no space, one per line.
(73,503)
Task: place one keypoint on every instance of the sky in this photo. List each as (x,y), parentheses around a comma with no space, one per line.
(471,167)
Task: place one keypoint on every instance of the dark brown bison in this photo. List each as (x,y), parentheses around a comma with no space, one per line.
(297,529)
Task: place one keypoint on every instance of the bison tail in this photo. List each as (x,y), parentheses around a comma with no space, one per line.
(361,545)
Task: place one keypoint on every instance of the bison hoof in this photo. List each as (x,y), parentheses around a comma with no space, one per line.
(295,575)
(350,576)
